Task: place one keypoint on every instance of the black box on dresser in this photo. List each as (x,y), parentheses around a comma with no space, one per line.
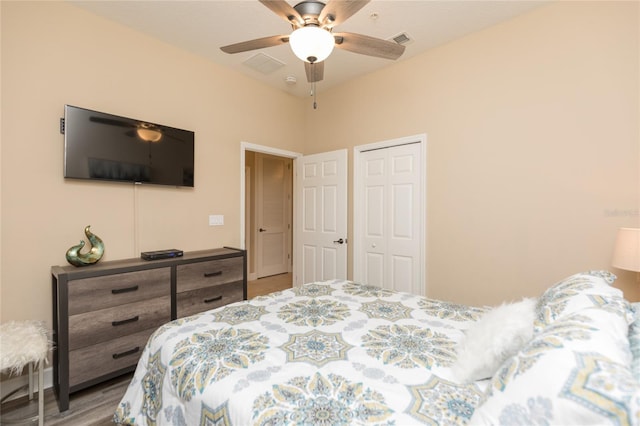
(103,314)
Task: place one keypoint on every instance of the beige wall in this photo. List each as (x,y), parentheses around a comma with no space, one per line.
(533,147)
(54,53)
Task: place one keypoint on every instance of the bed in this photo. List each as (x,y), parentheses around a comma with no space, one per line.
(339,352)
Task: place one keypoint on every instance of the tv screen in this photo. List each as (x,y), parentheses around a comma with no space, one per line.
(109,147)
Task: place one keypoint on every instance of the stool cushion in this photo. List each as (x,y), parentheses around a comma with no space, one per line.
(22,342)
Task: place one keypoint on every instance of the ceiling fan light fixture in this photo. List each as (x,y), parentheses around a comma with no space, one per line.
(311,43)
(148,134)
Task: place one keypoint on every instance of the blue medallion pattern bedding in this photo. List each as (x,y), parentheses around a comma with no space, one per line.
(324,354)
(338,353)
(578,367)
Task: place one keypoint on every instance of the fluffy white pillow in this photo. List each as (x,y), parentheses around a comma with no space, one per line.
(497,335)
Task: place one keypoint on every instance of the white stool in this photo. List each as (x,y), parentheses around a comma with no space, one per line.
(25,343)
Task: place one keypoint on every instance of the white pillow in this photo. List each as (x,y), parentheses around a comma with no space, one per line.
(497,335)
(575,371)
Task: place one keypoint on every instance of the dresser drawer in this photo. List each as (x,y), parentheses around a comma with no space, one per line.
(196,301)
(90,328)
(90,294)
(98,360)
(193,276)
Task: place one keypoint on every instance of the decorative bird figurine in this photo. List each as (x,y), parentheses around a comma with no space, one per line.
(76,258)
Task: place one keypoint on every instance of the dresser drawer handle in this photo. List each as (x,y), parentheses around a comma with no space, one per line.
(125,321)
(212,274)
(124,290)
(213,299)
(126,353)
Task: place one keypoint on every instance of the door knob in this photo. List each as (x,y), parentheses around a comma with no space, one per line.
(262,230)
(340,241)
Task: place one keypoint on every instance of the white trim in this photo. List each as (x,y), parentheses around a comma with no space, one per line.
(246,146)
(248,173)
(357,200)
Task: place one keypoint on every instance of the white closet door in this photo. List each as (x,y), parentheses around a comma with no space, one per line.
(389,223)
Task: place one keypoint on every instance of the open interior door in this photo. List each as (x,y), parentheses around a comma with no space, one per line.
(320,237)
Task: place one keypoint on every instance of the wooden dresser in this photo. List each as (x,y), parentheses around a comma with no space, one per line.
(103,314)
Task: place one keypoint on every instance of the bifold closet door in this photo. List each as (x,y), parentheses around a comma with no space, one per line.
(390,225)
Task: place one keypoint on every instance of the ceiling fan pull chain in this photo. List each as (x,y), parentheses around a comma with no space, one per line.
(313,89)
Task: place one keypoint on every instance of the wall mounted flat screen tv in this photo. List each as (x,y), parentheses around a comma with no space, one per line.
(108,147)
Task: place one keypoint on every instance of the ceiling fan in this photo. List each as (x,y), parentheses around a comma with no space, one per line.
(313,40)
(146,131)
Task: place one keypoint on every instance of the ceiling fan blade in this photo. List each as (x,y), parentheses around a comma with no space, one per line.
(371,46)
(258,43)
(285,11)
(315,71)
(338,11)
(110,121)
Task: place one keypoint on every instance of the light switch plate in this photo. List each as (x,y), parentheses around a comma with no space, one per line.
(216,219)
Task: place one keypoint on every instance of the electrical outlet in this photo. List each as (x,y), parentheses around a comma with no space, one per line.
(216,219)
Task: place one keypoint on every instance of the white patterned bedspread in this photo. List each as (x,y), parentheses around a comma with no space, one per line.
(326,353)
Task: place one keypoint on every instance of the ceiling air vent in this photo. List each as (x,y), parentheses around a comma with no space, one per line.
(402,38)
(264,64)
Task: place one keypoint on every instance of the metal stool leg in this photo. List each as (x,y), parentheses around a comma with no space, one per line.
(30,381)
(40,395)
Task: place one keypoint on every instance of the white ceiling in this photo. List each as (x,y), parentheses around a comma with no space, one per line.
(202,27)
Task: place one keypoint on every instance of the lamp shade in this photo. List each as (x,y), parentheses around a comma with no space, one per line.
(311,43)
(626,253)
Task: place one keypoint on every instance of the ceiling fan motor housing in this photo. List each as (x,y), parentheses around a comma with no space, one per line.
(309,11)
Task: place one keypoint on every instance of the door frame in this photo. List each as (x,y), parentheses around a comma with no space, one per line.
(358,201)
(247,146)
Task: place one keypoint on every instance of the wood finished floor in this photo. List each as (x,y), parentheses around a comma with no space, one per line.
(95,406)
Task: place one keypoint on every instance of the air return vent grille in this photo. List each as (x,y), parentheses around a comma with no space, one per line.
(402,38)
(264,64)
